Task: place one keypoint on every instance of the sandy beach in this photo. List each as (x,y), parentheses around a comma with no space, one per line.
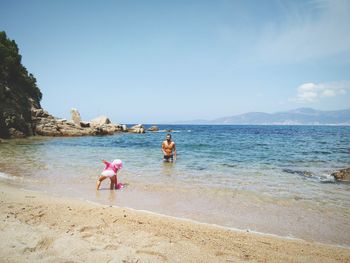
(36,227)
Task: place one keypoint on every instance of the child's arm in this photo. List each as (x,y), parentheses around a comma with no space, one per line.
(106,163)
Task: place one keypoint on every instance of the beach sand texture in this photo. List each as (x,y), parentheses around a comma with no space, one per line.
(36,227)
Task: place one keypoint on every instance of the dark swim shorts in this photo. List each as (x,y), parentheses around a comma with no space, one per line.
(168,158)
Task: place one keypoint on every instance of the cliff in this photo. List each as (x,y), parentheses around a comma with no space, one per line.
(18,92)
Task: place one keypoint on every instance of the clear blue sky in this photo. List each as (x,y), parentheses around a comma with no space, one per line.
(163,61)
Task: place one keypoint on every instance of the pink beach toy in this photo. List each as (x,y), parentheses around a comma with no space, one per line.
(120,186)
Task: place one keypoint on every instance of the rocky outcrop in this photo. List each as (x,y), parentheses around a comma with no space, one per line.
(20,112)
(101,120)
(137,129)
(75,115)
(153,129)
(47,125)
(342,175)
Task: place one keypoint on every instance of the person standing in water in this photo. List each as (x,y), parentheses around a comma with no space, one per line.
(169,149)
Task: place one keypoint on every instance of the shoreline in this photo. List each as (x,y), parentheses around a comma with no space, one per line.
(88,231)
(192,221)
(290,219)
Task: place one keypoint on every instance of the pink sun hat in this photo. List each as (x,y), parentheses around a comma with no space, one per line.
(118,163)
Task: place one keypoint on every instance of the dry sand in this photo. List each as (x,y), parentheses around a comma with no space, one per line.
(36,227)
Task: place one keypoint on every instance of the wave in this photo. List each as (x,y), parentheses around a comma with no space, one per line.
(322,178)
(229,165)
(6,176)
(298,172)
(171,131)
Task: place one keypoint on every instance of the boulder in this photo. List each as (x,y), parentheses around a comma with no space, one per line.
(46,127)
(84,124)
(124,128)
(137,126)
(39,113)
(137,129)
(109,128)
(61,120)
(75,115)
(342,175)
(153,129)
(101,120)
(119,127)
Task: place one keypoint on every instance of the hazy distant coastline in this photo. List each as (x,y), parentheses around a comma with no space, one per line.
(300,116)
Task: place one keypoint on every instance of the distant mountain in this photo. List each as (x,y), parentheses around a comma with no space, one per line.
(300,116)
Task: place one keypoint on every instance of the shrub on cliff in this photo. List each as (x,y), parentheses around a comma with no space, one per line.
(18,92)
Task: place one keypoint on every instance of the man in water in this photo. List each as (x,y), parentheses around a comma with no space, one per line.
(169,149)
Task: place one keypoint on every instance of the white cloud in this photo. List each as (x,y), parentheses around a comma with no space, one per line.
(311,92)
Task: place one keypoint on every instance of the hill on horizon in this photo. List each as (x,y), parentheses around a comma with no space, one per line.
(299,116)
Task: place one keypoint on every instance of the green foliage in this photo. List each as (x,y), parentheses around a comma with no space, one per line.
(12,73)
(18,92)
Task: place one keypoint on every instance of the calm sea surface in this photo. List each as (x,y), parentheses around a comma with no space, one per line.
(271,179)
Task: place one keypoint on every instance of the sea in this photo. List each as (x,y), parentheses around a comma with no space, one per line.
(266,179)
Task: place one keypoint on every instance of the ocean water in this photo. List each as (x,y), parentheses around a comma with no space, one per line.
(270,179)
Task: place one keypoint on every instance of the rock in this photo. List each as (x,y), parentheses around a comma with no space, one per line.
(47,130)
(61,120)
(75,116)
(109,128)
(39,113)
(137,126)
(120,127)
(124,128)
(85,124)
(101,120)
(137,129)
(342,175)
(153,129)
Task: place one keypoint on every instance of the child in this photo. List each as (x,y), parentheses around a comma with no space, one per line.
(110,172)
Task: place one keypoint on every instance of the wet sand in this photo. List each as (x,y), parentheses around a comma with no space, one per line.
(37,227)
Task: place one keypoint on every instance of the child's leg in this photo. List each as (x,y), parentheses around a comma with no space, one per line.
(115,182)
(112,182)
(99,181)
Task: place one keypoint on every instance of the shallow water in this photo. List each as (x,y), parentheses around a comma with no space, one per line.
(273,179)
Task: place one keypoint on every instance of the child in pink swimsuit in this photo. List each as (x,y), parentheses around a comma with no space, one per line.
(110,172)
